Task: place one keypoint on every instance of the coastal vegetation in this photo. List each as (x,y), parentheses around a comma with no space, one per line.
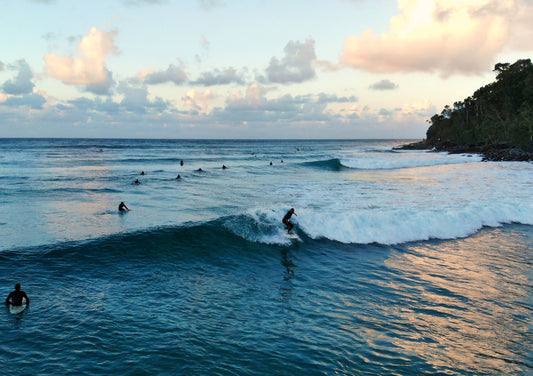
(497,120)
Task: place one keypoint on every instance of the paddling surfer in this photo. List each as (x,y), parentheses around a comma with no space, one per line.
(15,297)
(122,207)
(286,221)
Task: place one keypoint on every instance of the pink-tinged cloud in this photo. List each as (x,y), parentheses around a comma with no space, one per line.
(445,36)
(89,68)
(197,100)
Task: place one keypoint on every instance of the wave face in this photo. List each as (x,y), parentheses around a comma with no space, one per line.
(333,164)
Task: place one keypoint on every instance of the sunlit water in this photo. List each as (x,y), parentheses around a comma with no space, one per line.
(407,262)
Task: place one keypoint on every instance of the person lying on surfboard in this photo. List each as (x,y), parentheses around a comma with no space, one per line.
(286,221)
(15,297)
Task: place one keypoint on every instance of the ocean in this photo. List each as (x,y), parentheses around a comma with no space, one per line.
(405,262)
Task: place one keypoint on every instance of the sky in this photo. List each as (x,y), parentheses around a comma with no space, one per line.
(254,69)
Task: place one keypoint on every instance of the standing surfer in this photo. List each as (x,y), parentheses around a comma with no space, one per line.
(286,221)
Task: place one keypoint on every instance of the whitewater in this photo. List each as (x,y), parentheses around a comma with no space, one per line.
(406,262)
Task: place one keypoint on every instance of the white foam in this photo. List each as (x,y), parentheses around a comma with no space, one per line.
(436,202)
(262,226)
(403,159)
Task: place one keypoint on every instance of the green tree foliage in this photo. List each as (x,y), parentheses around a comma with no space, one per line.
(498,113)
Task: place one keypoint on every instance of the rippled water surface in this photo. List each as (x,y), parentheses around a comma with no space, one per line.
(402,267)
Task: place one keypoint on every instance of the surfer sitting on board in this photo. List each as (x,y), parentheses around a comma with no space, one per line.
(15,297)
(122,207)
(286,221)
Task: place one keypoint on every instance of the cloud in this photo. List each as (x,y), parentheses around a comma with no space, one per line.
(328,66)
(295,66)
(409,113)
(103,88)
(197,100)
(254,106)
(34,101)
(521,32)
(220,77)
(445,36)
(174,74)
(328,98)
(205,42)
(383,85)
(21,84)
(89,68)
(135,99)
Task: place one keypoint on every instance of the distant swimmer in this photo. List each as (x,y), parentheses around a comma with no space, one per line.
(200,170)
(142,172)
(122,207)
(271,163)
(136,182)
(224,167)
(286,221)
(178,177)
(15,297)
(181,162)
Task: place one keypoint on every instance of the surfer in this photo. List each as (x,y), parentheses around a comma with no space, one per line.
(15,297)
(136,182)
(122,207)
(286,221)
(178,177)
(181,162)
(224,167)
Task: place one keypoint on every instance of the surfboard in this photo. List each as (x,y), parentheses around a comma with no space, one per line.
(292,236)
(16,309)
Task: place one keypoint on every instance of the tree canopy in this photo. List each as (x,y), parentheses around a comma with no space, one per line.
(498,113)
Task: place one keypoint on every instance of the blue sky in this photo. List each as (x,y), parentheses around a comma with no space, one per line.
(248,69)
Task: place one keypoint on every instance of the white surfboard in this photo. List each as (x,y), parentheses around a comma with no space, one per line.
(17,309)
(292,236)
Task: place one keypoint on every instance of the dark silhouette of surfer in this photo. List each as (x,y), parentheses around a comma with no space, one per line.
(286,221)
(178,177)
(122,207)
(15,297)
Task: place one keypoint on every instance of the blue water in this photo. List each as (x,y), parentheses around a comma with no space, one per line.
(406,262)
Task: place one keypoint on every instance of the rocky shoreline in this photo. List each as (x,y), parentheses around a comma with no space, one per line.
(493,153)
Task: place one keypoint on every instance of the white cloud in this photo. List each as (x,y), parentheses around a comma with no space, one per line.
(89,68)
(521,32)
(296,66)
(445,36)
(197,100)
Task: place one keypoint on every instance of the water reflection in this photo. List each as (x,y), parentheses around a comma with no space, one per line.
(286,287)
(466,300)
